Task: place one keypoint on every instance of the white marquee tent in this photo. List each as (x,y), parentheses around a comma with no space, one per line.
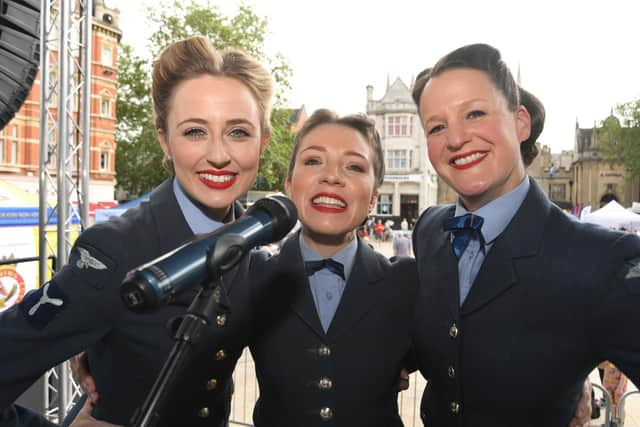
(613,215)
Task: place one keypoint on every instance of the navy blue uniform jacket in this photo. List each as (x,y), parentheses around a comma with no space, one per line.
(553,298)
(345,377)
(126,350)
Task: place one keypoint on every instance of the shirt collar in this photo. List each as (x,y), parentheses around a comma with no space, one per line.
(346,255)
(498,213)
(197,220)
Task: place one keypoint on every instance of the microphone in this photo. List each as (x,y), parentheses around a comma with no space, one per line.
(207,255)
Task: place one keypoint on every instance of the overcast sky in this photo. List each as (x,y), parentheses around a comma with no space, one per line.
(579,58)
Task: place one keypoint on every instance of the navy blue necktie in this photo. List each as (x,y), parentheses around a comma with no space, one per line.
(333,266)
(463,228)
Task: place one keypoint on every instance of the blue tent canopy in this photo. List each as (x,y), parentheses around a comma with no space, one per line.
(105,214)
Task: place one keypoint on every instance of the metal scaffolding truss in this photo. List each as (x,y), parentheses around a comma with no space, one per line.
(65,106)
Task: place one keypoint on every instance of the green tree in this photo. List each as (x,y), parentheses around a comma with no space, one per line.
(275,160)
(620,139)
(138,155)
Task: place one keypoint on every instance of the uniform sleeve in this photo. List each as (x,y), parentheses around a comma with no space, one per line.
(619,314)
(17,416)
(64,316)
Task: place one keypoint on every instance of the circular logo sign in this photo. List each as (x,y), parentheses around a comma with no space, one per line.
(12,287)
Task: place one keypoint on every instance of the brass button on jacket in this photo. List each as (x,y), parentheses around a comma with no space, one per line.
(325,383)
(455,408)
(326,414)
(221,320)
(212,384)
(221,355)
(203,412)
(453,331)
(451,372)
(324,351)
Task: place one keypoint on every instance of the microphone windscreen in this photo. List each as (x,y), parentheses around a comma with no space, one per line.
(281,210)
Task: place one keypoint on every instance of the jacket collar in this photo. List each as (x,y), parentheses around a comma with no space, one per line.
(360,294)
(522,238)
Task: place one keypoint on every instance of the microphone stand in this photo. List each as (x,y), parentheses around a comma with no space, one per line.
(227,252)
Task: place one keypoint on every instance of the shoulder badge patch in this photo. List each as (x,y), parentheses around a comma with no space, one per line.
(41,306)
(91,265)
(87,261)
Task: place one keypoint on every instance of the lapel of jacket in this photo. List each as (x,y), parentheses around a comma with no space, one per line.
(291,265)
(172,227)
(361,292)
(445,263)
(521,238)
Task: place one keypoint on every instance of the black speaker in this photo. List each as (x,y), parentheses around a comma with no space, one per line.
(19,53)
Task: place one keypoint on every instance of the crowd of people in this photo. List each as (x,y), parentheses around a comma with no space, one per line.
(507,305)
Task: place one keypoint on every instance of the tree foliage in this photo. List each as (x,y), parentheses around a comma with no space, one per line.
(138,154)
(275,160)
(620,138)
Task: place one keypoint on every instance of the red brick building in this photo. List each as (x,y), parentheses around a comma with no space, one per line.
(20,138)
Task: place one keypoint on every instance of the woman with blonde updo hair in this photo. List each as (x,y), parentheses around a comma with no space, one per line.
(212,113)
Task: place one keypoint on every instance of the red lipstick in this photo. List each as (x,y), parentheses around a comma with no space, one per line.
(207,177)
(329,208)
(478,159)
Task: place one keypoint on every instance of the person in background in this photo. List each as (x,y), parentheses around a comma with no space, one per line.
(401,244)
(378,230)
(615,382)
(212,118)
(370,224)
(516,299)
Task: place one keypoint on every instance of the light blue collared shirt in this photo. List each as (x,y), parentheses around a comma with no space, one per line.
(197,220)
(326,287)
(497,215)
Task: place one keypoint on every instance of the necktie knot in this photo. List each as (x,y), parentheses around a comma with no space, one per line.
(332,265)
(464,228)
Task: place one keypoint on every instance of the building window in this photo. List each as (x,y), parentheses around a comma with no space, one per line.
(384,205)
(1,149)
(104,160)
(105,107)
(400,125)
(557,192)
(397,159)
(107,57)
(105,157)
(14,152)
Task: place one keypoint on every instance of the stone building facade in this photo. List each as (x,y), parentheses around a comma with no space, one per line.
(554,173)
(410,183)
(20,138)
(598,181)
